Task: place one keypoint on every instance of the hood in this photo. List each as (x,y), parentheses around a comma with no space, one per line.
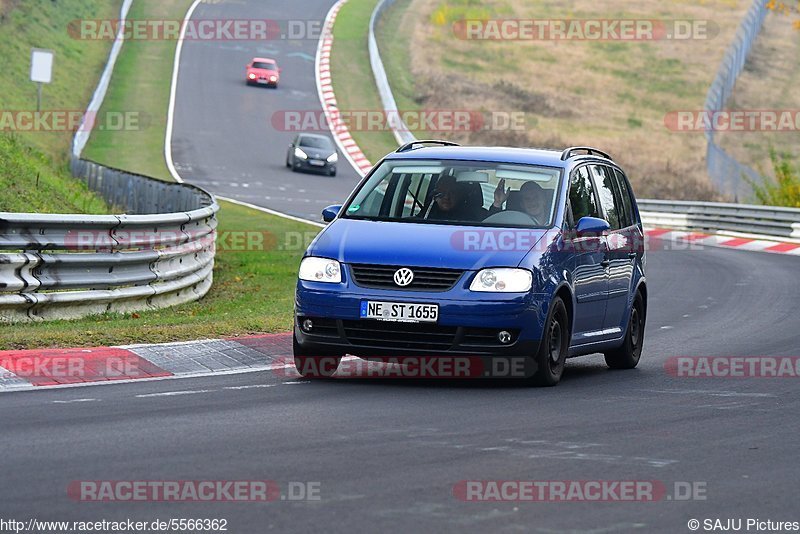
(317,153)
(262,72)
(424,245)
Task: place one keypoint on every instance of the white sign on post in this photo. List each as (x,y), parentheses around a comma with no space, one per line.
(41,65)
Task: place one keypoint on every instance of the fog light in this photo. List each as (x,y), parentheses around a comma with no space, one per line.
(308,325)
(504,337)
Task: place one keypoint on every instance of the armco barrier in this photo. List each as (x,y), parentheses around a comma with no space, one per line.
(718,217)
(160,253)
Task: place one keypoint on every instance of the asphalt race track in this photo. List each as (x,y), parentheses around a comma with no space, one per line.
(388,452)
(225,138)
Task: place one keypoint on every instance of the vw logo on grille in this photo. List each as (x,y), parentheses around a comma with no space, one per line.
(403,277)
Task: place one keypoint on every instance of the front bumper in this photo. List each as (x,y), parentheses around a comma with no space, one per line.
(468,323)
(305,165)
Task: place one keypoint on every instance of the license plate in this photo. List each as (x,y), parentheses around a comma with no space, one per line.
(262,80)
(317,162)
(398,311)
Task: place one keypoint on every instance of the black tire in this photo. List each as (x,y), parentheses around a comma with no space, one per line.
(628,355)
(320,364)
(288,163)
(332,173)
(554,346)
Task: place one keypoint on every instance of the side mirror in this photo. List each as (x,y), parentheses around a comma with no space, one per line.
(330,213)
(591,227)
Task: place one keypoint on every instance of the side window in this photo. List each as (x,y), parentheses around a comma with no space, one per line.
(581,195)
(605,189)
(625,195)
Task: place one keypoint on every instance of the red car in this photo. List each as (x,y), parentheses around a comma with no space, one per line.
(264,71)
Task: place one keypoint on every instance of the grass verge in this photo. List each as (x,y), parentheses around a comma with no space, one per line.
(253,286)
(33,157)
(352,77)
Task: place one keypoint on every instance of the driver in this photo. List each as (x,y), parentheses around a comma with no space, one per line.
(534,200)
(450,202)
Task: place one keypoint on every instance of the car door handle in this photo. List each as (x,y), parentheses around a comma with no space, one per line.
(605,263)
(631,255)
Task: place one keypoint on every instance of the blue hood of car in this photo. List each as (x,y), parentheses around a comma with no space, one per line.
(424,245)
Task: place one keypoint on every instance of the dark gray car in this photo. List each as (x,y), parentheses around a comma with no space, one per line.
(314,153)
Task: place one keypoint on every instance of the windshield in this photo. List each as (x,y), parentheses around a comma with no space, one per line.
(264,65)
(458,192)
(315,142)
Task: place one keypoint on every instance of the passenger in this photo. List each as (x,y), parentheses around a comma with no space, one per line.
(534,199)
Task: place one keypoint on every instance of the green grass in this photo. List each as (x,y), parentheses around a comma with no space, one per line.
(30,183)
(76,67)
(253,290)
(34,176)
(352,77)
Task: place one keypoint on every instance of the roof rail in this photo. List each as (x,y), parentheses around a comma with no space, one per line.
(589,150)
(410,146)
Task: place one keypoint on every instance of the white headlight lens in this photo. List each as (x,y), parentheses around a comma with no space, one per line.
(300,154)
(333,158)
(320,270)
(502,281)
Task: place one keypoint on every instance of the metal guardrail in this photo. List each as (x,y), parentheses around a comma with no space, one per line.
(159,253)
(718,217)
(57,266)
(725,171)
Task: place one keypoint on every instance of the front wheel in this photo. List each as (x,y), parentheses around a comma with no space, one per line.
(554,346)
(315,363)
(628,355)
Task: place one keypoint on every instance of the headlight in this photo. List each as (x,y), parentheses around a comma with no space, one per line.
(320,270)
(300,154)
(273,78)
(502,281)
(333,158)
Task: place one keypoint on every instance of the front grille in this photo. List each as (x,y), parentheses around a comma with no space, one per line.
(383,334)
(425,278)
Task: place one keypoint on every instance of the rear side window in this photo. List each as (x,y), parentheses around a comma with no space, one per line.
(581,195)
(625,196)
(605,189)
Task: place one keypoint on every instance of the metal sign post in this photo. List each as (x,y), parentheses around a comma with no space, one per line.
(41,71)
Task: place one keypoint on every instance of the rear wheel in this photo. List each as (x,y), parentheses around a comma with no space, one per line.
(554,346)
(628,355)
(314,363)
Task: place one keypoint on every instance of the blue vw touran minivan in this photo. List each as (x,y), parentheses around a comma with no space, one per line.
(520,256)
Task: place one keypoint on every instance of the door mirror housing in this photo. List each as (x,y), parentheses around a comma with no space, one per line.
(330,213)
(591,227)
